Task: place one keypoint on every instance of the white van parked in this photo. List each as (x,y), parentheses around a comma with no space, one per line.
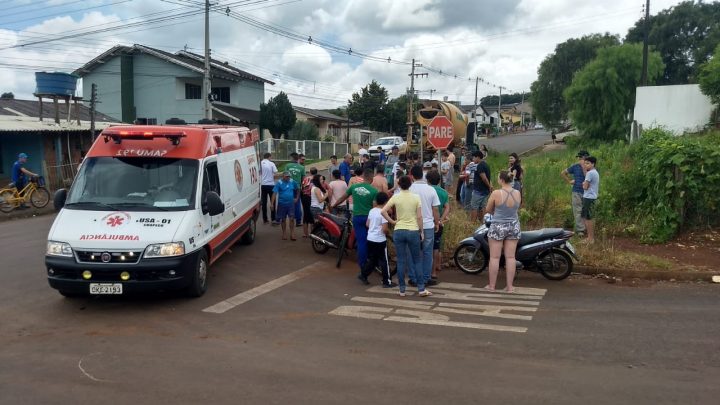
(152,207)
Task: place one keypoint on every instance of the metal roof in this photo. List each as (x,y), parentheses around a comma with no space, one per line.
(319,114)
(30,124)
(31,108)
(188,60)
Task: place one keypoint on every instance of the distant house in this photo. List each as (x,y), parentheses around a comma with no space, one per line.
(328,124)
(481,113)
(54,149)
(148,86)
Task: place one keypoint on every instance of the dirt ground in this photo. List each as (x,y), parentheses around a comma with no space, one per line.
(700,249)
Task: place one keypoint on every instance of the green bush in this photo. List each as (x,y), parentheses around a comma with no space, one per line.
(675,183)
(304,131)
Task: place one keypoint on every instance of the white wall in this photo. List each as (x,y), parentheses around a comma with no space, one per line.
(680,109)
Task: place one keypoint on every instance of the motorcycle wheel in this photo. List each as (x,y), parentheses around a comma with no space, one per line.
(341,246)
(319,247)
(470,259)
(555,264)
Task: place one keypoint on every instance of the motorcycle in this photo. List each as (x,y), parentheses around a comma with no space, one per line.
(333,231)
(337,232)
(547,251)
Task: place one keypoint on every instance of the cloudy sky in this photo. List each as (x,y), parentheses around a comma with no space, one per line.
(501,42)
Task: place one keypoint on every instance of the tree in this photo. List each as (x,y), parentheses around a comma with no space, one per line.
(603,92)
(8,94)
(396,115)
(368,106)
(304,131)
(513,98)
(685,35)
(277,115)
(556,73)
(709,77)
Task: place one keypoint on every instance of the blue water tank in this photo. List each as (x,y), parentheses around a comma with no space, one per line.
(56,83)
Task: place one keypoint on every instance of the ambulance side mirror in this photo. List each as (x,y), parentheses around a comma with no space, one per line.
(59,199)
(212,204)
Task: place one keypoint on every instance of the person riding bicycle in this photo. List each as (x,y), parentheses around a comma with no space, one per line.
(20,174)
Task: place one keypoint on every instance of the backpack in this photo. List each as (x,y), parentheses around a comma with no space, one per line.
(306,185)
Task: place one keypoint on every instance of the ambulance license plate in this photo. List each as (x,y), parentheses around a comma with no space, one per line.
(105,288)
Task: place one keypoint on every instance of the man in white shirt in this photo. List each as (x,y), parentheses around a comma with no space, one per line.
(268,170)
(430,204)
(361,150)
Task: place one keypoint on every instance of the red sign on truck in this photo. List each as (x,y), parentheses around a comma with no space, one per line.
(440,132)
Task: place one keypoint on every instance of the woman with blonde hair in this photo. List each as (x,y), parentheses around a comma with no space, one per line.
(504,232)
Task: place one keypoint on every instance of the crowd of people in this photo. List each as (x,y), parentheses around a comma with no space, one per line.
(412,196)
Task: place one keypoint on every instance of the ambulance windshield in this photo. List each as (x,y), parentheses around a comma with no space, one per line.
(134,184)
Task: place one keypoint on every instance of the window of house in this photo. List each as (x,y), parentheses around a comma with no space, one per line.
(221,94)
(193,91)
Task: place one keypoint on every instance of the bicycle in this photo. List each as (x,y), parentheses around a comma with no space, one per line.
(34,192)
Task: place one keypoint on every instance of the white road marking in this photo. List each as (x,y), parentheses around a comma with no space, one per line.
(469,287)
(243,297)
(465,309)
(466,296)
(431,311)
(419,317)
(85,372)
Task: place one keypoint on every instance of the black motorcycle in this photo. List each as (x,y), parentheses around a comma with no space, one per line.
(547,251)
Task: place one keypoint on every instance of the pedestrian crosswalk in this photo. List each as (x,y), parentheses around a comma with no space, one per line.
(452,305)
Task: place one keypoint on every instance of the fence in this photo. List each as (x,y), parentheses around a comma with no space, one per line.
(313,150)
(59,176)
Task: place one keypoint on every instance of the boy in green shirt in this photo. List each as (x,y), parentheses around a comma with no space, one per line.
(363,195)
(297,173)
(433,178)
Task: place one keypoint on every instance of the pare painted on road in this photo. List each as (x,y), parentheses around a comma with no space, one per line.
(494,306)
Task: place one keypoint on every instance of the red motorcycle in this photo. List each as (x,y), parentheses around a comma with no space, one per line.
(333,231)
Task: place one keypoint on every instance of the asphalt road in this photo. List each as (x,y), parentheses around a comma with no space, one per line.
(518,143)
(305,332)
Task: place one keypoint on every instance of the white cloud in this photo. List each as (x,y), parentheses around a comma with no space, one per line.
(502,42)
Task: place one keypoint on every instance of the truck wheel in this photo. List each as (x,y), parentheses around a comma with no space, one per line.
(198,285)
(249,237)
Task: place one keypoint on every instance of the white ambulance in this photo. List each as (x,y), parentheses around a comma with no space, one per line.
(152,207)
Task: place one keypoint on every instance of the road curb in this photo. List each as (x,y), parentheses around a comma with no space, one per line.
(665,275)
(533,150)
(27,213)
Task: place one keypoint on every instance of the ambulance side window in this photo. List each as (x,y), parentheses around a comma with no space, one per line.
(211,180)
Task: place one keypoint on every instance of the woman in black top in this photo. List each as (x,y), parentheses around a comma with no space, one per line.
(516,171)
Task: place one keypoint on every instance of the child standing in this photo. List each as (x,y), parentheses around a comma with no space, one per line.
(377,243)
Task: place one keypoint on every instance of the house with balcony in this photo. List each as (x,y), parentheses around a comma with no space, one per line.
(144,85)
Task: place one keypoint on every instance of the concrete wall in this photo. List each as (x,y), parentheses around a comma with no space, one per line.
(12,144)
(107,78)
(680,109)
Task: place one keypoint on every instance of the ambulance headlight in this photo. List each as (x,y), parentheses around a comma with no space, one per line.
(165,250)
(58,249)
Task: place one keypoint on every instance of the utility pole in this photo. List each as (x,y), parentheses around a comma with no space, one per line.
(477,79)
(522,105)
(206,74)
(431,92)
(411,101)
(646,25)
(498,111)
(93,102)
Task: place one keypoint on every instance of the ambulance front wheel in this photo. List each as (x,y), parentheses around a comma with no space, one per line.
(249,237)
(199,275)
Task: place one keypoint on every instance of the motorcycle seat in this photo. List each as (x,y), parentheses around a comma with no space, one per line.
(340,221)
(529,237)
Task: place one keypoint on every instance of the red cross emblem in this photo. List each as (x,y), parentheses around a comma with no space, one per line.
(115,221)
